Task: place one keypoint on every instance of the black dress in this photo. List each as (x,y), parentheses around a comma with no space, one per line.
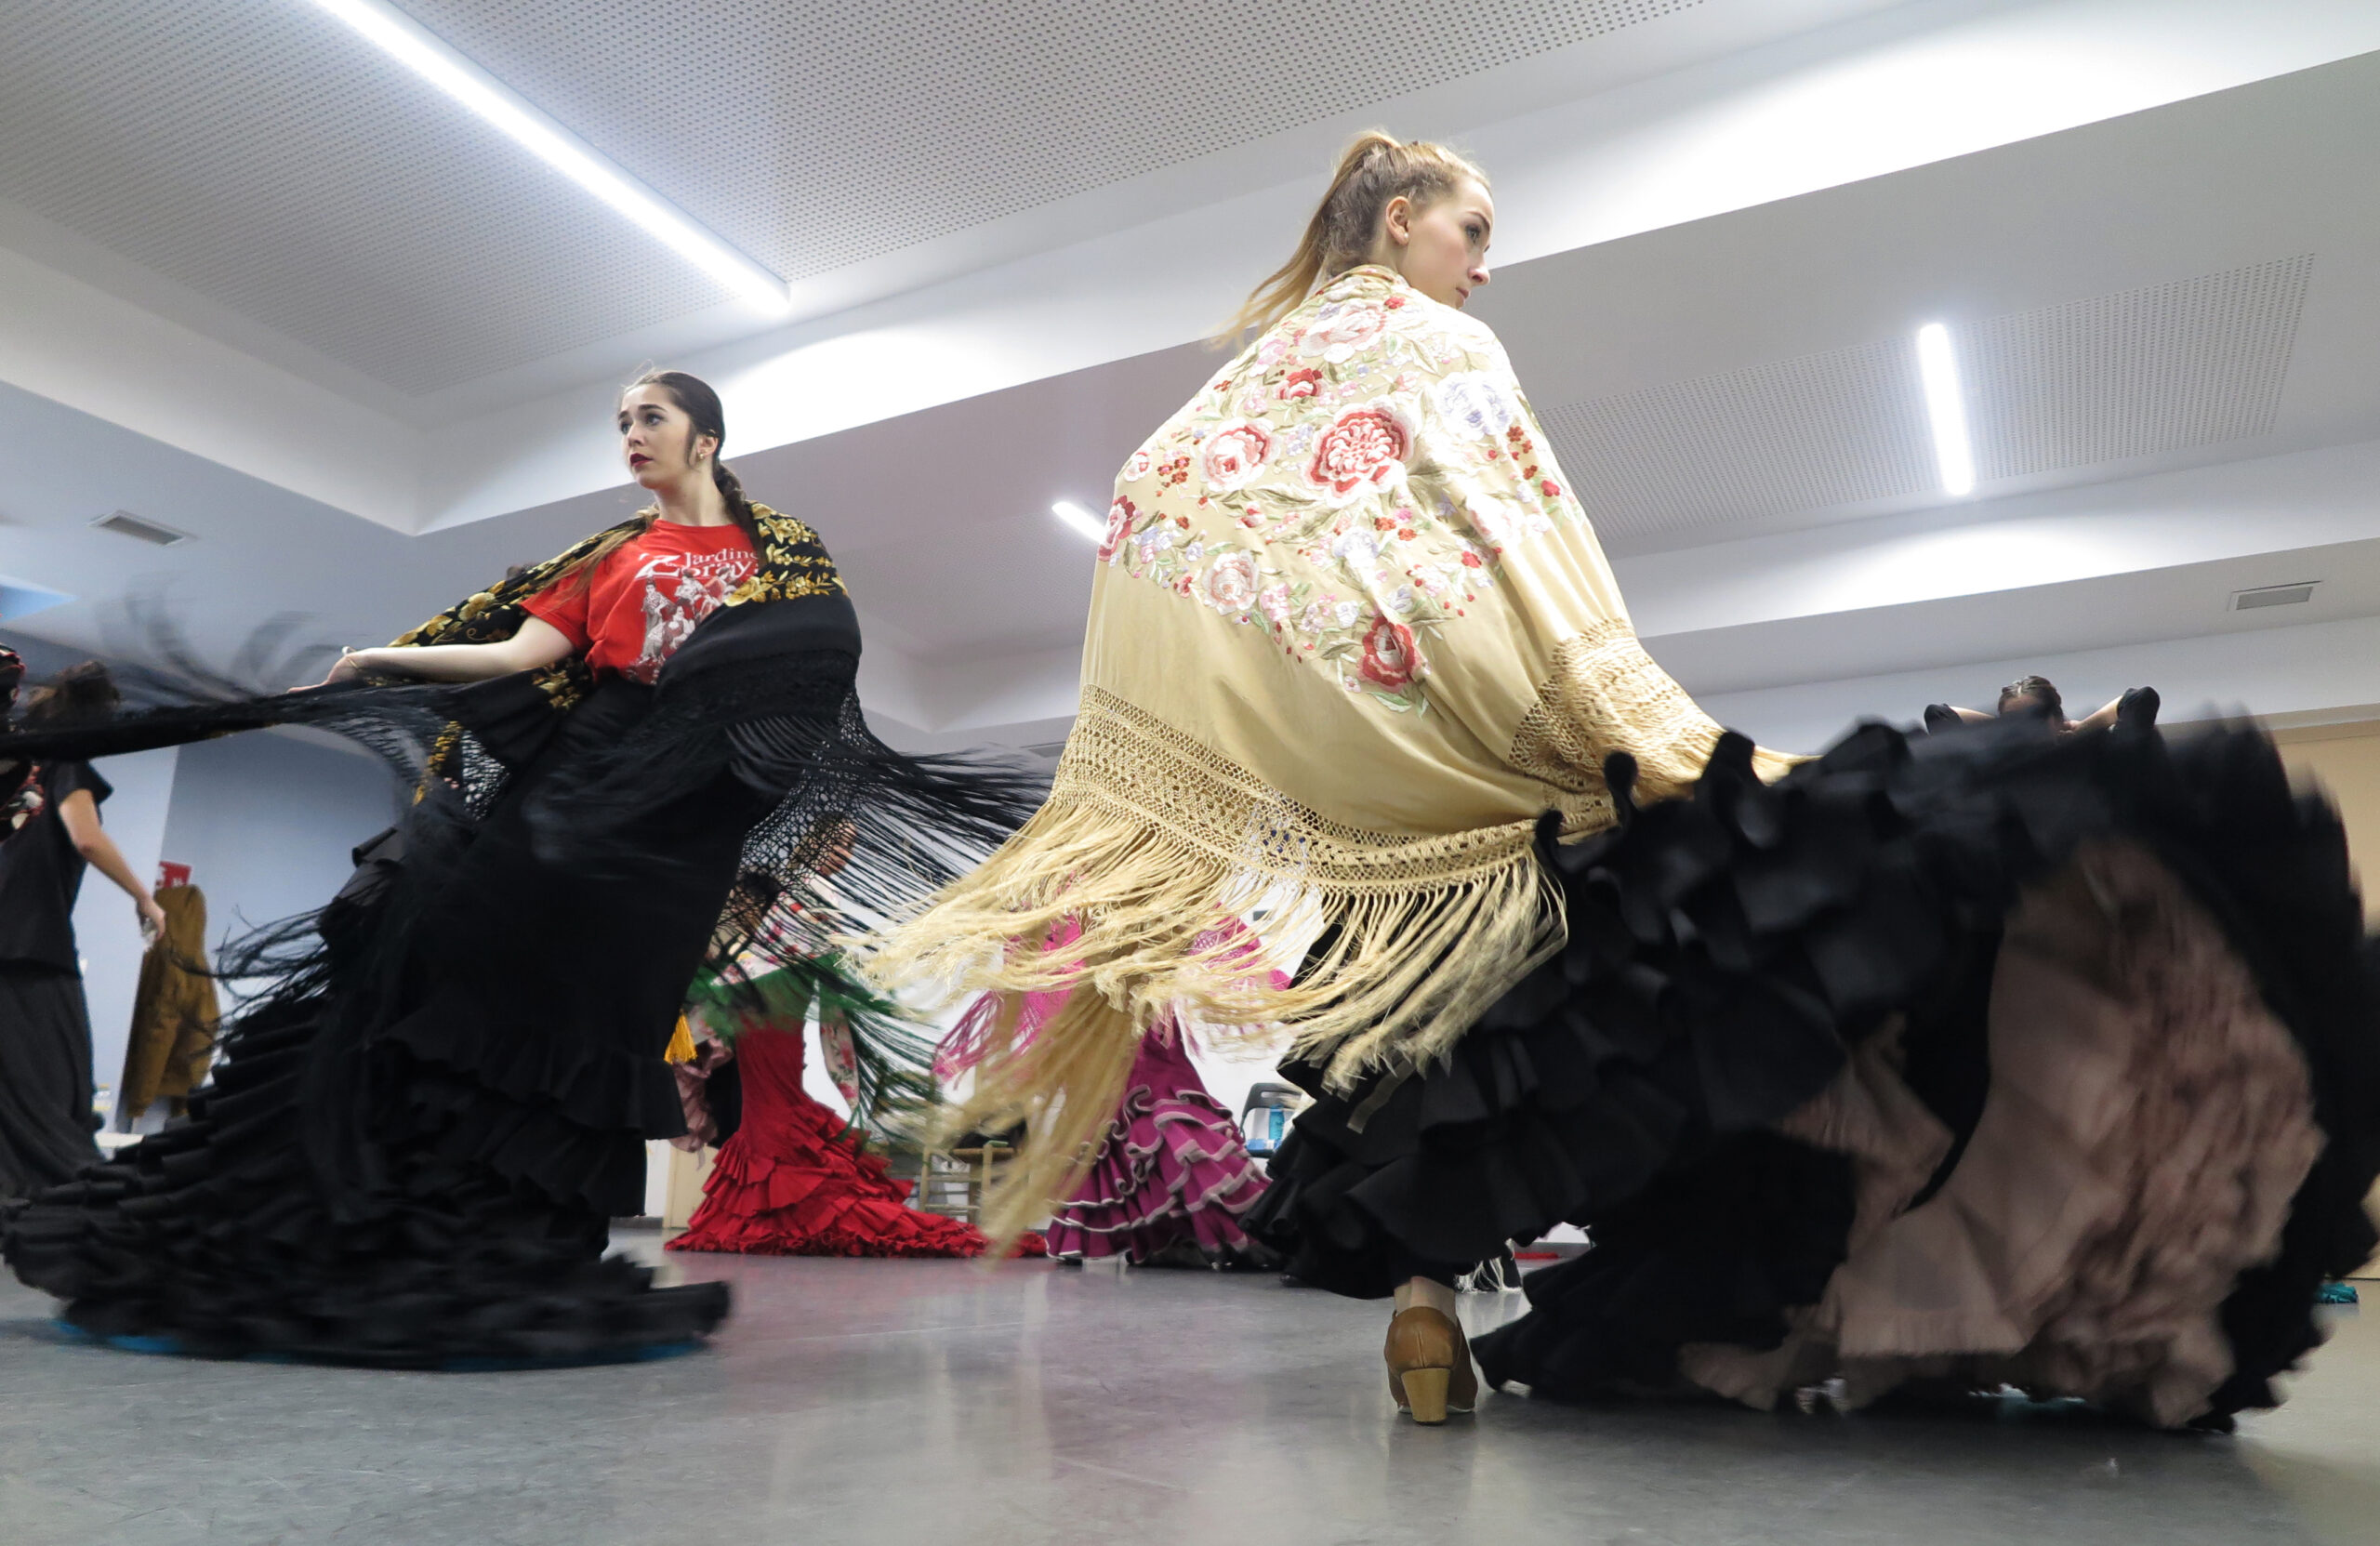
(1795,1038)
(412,1148)
(46,1116)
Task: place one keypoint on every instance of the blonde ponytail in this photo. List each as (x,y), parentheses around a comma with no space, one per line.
(1375,169)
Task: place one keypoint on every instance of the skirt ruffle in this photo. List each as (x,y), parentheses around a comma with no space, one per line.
(1732,953)
(794,1180)
(210,1239)
(1172,1170)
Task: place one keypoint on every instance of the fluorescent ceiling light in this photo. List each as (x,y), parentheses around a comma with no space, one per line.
(404,40)
(1081,520)
(1946,405)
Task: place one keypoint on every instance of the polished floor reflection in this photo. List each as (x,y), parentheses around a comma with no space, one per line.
(937,1402)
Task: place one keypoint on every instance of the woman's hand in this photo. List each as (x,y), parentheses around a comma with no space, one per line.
(349,666)
(153,918)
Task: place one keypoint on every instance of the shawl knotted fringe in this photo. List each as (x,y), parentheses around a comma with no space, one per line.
(1155,847)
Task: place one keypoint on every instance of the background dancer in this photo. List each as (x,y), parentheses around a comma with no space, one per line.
(1589,958)
(52,832)
(1171,1183)
(792,1178)
(413,1148)
(2036,695)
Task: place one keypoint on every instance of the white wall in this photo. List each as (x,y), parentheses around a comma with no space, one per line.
(267,824)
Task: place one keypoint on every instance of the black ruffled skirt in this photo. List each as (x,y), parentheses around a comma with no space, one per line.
(45,1121)
(1819,1057)
(485,1021)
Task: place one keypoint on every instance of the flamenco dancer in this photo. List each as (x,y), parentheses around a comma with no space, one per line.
(2036,695)
(792,1178)
(1171,1183)
(412,1149)
(2004,1056)
(50,833)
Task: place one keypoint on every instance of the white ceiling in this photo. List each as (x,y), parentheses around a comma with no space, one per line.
(818,136)
(265,158)
(260,157)
(223,301)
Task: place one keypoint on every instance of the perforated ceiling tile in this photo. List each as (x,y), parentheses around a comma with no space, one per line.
(261,155)
(254,151)
(817,135)
(2196,362)
(2193,362)
(1822,429)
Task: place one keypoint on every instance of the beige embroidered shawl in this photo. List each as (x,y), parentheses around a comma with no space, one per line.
(1351,635)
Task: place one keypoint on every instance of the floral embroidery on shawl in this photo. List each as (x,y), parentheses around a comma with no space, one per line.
(1365,471)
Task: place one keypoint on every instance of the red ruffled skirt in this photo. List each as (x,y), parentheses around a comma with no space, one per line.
(794,1182)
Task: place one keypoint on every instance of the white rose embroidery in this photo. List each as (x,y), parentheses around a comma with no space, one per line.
(1231,584)
(1341,329)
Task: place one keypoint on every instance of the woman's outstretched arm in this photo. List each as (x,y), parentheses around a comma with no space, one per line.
(81,814)
(2102,716)
(537,643)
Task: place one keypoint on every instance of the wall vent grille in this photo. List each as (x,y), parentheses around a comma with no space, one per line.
(2273,595)
(140,529)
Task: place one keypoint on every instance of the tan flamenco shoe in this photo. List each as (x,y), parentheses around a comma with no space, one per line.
(1429,1365)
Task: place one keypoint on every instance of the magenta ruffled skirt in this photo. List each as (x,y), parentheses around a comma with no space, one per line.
(1172,1170)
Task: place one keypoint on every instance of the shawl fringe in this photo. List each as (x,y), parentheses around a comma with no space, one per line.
(1155,848)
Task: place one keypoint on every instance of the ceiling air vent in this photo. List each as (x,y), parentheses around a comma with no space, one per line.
(2273,595)
(126,523)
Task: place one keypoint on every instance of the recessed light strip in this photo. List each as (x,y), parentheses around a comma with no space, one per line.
(407,41)
(1945,406)
(1080,519)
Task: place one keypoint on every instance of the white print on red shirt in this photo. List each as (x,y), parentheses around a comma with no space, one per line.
(681,589)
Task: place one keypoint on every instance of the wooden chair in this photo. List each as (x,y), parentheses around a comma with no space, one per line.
(952,1182)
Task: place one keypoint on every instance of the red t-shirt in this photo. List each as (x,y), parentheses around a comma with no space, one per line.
(647,596)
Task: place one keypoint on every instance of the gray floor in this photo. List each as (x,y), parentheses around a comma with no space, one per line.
(934,1402)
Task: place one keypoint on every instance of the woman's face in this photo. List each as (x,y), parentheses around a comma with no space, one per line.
(1441,248)
(2025,702)
(658,440)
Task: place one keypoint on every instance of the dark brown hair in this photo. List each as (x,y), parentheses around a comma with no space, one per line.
(2040,691)
(85,692)
(1375,169)
(700,405)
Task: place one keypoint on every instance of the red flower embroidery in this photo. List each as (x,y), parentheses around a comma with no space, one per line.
(1301,382)
(1365,449)
(1233,454)
(1119,522)
(1471,561)
(1553,490)
(1390,658)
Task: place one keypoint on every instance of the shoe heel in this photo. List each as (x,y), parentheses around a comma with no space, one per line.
(1425,1393)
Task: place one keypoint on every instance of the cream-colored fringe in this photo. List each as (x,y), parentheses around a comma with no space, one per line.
(1429,933)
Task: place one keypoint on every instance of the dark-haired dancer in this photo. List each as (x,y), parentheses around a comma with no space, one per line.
(2039,696)
(2004,1055)
(49,832)
(792,1178)
(413,1146)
